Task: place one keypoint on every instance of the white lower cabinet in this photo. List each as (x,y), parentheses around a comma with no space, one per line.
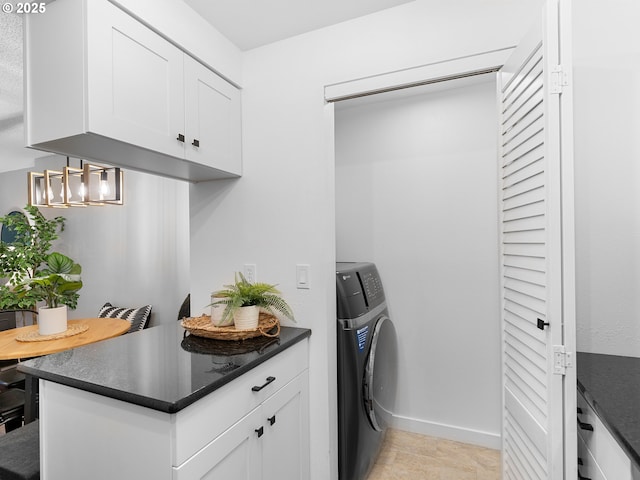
(234,454)
(600,457)
(271,442)
(256,427)
(285,449)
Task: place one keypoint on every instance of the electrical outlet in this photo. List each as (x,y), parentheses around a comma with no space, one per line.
(250,272)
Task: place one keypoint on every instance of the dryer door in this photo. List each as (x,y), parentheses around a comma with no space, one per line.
(380,375)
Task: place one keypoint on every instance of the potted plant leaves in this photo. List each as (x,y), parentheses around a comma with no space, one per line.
(27,239)
(57,284)
(243,301)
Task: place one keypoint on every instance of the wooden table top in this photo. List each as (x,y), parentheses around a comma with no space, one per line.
(99,329)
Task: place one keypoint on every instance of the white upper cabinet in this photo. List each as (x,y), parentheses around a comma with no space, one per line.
(212,120)
(115,91)
(135,90)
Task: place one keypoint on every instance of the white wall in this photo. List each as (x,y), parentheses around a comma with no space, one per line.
(131,255)
(607,178)
(416,193)
(281,212)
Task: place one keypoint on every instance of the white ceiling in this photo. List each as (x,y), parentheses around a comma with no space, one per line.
(253,23)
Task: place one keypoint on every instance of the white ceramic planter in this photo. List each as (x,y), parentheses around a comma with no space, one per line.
(52,320)
(217,311)
(247,318)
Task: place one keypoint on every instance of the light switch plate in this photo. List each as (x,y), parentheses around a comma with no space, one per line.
(302,276)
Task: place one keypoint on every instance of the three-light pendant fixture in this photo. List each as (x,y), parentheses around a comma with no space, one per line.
(76,187)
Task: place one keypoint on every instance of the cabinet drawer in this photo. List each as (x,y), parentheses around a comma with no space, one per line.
(206,419)
(604,449)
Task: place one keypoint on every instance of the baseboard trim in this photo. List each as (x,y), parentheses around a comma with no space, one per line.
(450,432)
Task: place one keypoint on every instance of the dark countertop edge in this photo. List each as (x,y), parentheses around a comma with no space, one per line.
(631,452)
(155,404)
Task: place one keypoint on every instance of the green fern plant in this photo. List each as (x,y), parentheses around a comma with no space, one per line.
(245,294)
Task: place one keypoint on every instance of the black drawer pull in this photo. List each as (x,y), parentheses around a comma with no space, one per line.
(180,138)
(583,425)
(272,420)
(260,431)
(196,142)
(257,388)
(580,477)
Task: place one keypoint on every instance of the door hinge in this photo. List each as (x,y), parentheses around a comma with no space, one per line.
(559,79)
(561,360)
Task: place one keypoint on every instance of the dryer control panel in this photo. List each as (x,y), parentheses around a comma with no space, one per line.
(372,286)
(358,288)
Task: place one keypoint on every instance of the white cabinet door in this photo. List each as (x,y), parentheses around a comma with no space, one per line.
(233,455)
(271,442)
(285,447)
(212,121)
(538,319)
(135,82)
(113,90)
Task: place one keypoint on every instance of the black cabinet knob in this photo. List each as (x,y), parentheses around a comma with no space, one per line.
(180,138)
(196,142)
(542,324)
(260,431)
(272,420)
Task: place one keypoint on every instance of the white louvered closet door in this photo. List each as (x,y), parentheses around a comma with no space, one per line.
(532,257)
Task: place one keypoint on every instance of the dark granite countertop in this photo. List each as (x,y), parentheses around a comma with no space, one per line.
(163,368)
(611,385)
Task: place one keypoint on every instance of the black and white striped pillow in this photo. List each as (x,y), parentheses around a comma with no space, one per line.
(137,317)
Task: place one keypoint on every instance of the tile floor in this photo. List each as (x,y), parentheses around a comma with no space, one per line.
(409,456)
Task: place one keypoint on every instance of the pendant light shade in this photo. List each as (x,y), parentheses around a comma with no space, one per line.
(76,187)
(104,185)
(54,182)
(37,189)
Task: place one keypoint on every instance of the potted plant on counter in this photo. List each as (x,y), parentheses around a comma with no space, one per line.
(243,301)
(57,284)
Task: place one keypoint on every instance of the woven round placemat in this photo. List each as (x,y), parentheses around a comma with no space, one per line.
(202,327)
(221,348)
(34,336)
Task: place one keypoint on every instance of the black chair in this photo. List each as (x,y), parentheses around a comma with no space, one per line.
(12,382)
(12,409)
(185,308)
(20,453)
(11,378)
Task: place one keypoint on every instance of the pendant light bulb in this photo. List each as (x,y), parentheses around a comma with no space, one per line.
(82,191)
(104,185)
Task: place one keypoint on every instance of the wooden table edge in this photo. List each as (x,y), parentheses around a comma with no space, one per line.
(123,328)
